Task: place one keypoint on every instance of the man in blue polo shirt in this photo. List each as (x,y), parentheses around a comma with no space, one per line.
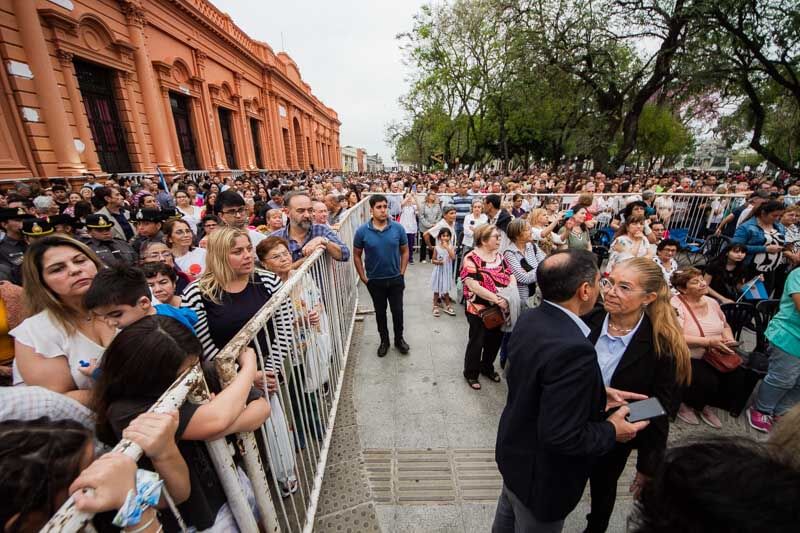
(386,246)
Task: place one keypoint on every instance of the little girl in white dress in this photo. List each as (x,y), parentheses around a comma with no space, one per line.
(442,279)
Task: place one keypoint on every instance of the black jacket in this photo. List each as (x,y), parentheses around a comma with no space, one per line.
(553,426)
(503,219)
(640,370)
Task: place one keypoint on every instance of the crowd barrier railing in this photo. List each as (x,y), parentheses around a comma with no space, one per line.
(697,213)
(302,334)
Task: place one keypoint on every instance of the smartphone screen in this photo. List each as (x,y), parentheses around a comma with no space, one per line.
(645,410)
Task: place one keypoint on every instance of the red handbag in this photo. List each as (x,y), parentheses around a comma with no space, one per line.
(492,317)
(722,361)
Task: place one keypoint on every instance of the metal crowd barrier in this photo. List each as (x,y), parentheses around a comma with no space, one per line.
(291,448)
(694,212)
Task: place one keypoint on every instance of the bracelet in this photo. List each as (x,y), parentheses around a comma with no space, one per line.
(144,527)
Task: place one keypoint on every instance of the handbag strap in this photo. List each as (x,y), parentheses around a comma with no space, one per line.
(686,305)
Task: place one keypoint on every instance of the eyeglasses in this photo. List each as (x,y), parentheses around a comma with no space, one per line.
(158,255)
(623,289)
(235,212)
(275,257)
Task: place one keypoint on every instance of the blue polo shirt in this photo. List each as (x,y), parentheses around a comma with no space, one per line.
(381,248)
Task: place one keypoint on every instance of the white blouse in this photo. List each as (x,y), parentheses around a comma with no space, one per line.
(46,337)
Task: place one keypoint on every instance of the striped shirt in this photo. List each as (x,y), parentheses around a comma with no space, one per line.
(280,346)
(533,256)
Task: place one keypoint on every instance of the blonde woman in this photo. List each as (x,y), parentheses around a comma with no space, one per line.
(230,292)
(542,229)
(50,345)
(640,348)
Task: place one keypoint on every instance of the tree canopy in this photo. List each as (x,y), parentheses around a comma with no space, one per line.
(614,81)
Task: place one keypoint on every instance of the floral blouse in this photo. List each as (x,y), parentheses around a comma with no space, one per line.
(490,278)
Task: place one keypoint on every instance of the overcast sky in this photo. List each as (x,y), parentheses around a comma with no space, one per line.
(346,50)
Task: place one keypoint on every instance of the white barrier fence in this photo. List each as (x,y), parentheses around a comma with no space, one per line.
(695,213)
(288,454)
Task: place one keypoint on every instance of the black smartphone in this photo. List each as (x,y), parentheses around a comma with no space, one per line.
(645,410)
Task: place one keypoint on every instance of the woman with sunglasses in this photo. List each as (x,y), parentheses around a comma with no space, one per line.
(640,348)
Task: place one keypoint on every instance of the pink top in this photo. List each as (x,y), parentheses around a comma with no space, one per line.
(713,322)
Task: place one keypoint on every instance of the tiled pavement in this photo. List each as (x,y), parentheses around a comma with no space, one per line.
(428,439)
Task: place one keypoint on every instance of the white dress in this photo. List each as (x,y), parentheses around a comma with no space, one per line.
(46,337)
(443,277)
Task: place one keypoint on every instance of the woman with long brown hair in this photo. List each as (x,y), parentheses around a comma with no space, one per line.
(640,348)
(50,345)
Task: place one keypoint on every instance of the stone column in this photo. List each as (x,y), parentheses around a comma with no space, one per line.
(138,129)
(89,155)
(47,91)
(248,150)
(153,108)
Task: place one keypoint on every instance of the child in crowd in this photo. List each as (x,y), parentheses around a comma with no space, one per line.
(140,364)
(121,296)
(162,279)
(443,275)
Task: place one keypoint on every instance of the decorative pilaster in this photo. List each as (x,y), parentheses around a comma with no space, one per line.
(89,155)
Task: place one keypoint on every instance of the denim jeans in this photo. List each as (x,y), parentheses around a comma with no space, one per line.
(513,517)
(780,390)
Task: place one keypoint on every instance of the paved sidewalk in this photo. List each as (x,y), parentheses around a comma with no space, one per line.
(428,439)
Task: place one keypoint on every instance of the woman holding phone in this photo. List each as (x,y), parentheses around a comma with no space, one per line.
(640,348)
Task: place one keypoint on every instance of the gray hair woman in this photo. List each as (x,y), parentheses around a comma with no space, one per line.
(430,212)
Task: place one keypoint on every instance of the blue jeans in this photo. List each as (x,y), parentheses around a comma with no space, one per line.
(513,517)
(780,390)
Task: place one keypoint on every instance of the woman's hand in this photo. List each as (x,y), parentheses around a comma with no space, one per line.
(502,303)
(313,317)
(247,360)
(639,481)
(269,377)
(104,485)
(5,371)
(773,248)
(720,344)
(154,433)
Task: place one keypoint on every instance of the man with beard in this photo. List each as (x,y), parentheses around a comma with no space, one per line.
(303,236)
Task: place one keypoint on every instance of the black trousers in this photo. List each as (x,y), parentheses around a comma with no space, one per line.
(482,348)
(383,291)
(603,485)
(726,390)
(425,252)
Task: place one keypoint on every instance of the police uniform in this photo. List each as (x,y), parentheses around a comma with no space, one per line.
(148,215)
(33,228)
(112,252)
(12,251)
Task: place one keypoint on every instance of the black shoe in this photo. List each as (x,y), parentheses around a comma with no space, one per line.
(383,349)
(402,346)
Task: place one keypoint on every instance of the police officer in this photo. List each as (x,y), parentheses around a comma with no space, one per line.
(66,224)
(33,228)
(111,251)
(148,227)
(13,245)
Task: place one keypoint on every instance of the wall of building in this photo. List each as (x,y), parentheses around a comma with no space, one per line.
(149,52)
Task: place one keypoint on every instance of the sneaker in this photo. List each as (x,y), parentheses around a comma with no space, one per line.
(423,261)
(708,416)
(759,421)
(687,414)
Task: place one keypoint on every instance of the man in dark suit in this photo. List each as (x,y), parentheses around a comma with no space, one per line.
(554,423)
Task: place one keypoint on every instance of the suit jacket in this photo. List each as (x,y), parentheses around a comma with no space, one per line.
(640,370)
(117,232)
(553,426)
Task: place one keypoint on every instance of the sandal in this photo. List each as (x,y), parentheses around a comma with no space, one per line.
(449,310)
(474,384)
(436,311)
(494,376)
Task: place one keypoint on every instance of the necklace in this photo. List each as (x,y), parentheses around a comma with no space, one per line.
(622,330)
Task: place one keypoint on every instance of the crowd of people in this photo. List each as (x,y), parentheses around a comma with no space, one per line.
(112,290)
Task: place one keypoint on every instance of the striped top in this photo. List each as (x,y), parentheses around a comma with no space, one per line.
(533,256)
(279,329)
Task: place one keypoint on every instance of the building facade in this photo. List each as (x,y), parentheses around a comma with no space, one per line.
(374,163)
(123,86)
(349,159)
